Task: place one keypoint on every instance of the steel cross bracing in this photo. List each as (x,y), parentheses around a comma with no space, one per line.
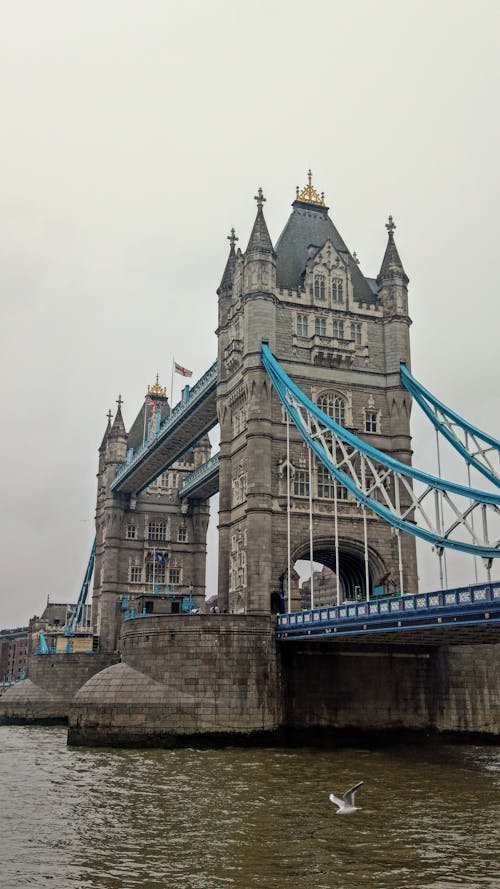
(477,448)
(436,510)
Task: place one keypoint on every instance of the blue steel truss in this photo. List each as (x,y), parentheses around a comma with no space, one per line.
(76,617)
(477,447)
(436,510)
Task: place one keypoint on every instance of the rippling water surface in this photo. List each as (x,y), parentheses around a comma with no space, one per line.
(210,819)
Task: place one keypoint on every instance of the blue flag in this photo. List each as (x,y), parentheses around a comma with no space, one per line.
(160,559)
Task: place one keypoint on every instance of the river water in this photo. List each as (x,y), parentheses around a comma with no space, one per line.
(245,818)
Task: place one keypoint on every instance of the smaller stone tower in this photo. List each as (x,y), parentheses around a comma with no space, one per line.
(150,547)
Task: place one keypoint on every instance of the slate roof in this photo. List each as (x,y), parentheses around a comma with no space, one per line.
(260,240)
(391,263)
(310,224)
(136,434)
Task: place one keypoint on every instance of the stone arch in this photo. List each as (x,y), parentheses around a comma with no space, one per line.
(351,563)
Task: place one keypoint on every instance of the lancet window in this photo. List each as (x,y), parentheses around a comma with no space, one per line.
(356,332)
(338,330)
(319,286)
(320,326)
(337,290)
(302,325)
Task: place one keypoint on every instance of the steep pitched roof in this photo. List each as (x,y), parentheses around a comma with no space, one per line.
(118,428)
(136,434)
(260,240)
(228,276)
(105,436)
(391,263)
(310,224)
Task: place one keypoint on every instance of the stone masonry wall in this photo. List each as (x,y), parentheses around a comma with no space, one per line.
(447,689)
(52,684)
(214,675)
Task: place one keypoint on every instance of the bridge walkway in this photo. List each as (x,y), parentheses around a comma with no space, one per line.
(459,616)
(187,422)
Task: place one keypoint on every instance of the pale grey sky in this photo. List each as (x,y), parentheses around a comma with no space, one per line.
(135,134)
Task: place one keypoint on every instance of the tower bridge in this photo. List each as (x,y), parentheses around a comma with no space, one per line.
(312,392)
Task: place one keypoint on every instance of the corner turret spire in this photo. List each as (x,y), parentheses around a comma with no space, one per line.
(228,276)
(118,428)
(260,241)
(391,264)
(106,434)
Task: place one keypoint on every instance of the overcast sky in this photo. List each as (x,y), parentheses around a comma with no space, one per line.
(135,134)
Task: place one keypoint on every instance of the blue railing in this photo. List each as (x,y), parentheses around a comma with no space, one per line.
(184,406)
(200,474)
(478,594)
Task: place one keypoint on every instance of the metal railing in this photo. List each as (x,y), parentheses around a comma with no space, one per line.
(459,597)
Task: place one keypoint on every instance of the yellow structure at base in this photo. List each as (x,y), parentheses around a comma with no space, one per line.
(76,643)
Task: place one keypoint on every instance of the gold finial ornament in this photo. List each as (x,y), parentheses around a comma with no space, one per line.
(156,389)
(308,194)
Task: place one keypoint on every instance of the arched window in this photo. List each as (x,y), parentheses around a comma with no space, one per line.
(325,482)
(337,290)
(320,326)
(302,325)
(338,330)
(333,405)
(356,332)
(319,286)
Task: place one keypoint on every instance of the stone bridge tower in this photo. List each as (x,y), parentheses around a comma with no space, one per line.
(150,546)
(341,337)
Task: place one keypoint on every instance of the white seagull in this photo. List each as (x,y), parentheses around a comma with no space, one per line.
(346,804)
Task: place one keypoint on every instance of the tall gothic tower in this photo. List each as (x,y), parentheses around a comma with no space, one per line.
(341,337)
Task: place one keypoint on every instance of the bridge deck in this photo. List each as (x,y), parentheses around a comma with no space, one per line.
(467,614)
(188,421)
(203,481)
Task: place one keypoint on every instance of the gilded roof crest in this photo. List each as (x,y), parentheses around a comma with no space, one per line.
(309,194)
(156,389)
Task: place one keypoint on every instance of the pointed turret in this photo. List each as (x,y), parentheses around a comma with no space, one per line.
(392,282)
(103,446)
(259,270)
(118,428)
(226,283)
(392,267)
(116,449)
(260,241)
(106,434)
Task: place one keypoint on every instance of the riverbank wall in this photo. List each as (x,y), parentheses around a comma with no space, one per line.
(46,696)
(441,689)
(223,678)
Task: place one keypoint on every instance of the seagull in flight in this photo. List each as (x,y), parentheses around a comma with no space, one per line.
(346,804)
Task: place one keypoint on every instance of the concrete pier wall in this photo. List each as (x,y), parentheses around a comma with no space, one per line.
(444,689)
(53,681)
(203,675)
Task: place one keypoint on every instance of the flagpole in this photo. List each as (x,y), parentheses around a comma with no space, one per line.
(172,385)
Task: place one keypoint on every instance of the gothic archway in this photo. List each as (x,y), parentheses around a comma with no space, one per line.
(352,574)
